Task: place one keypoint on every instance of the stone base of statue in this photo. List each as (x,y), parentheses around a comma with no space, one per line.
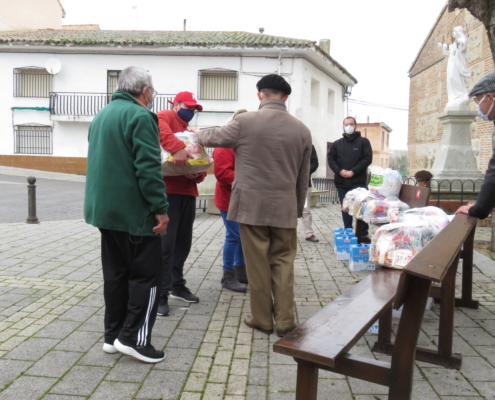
(455,157)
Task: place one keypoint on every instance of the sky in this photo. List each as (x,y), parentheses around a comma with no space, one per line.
(376,41)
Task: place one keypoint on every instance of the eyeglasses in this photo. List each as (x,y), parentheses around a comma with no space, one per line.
(480,101)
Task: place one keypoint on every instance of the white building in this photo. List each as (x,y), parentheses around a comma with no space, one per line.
(222,68)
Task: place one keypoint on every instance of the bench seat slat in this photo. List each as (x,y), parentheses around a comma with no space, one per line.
(338,326)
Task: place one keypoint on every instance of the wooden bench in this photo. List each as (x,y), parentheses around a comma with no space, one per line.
(324,340)
(418,196)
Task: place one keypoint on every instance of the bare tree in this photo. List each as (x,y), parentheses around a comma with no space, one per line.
(484,10)
(398,160)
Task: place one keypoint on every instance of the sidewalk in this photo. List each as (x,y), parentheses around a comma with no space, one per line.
(51,326)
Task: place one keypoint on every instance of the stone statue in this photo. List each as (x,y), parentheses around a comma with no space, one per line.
(457,70)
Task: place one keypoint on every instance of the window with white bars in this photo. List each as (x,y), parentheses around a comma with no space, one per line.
(32,82)
(112,79)
(33,139)
(217,84)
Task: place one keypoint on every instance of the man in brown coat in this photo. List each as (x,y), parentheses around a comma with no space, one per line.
(272,153)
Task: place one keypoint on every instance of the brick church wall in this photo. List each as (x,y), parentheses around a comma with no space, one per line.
(428,91)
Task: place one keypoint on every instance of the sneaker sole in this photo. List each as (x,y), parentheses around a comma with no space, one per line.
(109,348)
(133,353)
(181,298)
(163,315)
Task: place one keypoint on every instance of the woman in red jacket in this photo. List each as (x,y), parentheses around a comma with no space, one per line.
(234,268)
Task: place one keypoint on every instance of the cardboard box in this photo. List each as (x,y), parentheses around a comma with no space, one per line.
(361,266)
(340,232)
(343,246)
(360,252)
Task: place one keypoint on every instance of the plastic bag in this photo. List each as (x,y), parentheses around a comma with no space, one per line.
(394,245)
(359,202)
(349,198)
(200,163)
(430,214)
(382,211)
(385,182)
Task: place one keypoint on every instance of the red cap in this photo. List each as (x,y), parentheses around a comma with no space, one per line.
(188,99)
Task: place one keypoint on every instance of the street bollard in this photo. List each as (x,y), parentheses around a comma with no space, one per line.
(32,218)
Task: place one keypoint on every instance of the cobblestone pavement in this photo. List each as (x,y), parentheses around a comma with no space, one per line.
(51,326)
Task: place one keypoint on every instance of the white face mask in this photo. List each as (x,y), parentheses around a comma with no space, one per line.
(349,129)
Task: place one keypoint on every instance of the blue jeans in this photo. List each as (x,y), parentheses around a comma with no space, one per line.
(232,249)
(346,218)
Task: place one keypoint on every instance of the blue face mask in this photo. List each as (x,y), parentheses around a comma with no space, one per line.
(150,105)
(484,117)
(185,114)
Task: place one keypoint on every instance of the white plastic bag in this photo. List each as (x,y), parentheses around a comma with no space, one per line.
(385,182)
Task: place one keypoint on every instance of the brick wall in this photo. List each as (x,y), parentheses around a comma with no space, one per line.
(68,165)
(428,91)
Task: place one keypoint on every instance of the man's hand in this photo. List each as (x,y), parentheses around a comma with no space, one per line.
(464,209)
(162,223)
(350,174)
(194,130)
(193,176)
(181,157)
(343,173)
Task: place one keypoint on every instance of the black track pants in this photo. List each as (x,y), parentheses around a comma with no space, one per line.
(132,274)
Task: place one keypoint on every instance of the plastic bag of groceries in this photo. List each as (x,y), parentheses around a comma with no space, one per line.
(359,203)
(385,182)
(394,245)
(200,162)
(383,211)
(349,199)
(429,214)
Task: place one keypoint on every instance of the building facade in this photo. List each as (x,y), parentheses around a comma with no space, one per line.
(30,14)
(44,118)
(428,90)
(378,134)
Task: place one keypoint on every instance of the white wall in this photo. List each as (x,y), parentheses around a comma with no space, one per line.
(171,74)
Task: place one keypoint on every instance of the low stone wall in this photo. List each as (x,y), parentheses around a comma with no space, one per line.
(68,165)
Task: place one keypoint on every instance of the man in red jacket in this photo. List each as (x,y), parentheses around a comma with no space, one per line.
(181,194)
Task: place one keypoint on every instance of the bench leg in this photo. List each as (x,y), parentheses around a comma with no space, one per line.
(307,381)
(359,229)
(384,341)
(466,299)
(404,351)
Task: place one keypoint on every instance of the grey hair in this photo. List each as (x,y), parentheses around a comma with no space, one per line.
(133,80)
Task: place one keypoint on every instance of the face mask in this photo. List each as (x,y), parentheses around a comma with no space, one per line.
(149,106)
(484,117)
(349,129)
(185,115)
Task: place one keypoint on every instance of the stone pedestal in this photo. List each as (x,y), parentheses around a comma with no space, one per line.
(455,158)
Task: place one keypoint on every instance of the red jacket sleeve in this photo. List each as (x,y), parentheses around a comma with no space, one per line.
(224,165)
(167,138)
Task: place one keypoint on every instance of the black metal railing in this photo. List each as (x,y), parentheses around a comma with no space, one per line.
(326,184)
(88,104)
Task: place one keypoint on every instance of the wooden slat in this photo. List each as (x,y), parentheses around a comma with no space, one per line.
(433,261)
(338,326)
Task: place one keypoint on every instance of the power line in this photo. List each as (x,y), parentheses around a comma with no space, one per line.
(367,103)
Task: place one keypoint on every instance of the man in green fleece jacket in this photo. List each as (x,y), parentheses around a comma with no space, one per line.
(125,198)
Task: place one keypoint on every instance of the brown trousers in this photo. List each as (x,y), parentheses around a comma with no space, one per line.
(269,253)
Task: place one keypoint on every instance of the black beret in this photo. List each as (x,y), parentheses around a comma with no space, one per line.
(274,81)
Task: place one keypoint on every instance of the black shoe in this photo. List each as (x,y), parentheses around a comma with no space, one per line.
(147,353)
(240,273)
(163,308)
(184,294)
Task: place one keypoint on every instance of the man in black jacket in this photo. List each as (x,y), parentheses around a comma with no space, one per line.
(484,97)
(307,218)
(349,158)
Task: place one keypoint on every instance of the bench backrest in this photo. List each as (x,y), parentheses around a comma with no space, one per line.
(415,196)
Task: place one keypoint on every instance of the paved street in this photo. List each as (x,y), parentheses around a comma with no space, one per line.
(51,319)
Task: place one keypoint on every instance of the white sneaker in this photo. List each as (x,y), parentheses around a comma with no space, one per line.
(109,348)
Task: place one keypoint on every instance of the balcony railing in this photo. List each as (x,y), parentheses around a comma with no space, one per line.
(88,104)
